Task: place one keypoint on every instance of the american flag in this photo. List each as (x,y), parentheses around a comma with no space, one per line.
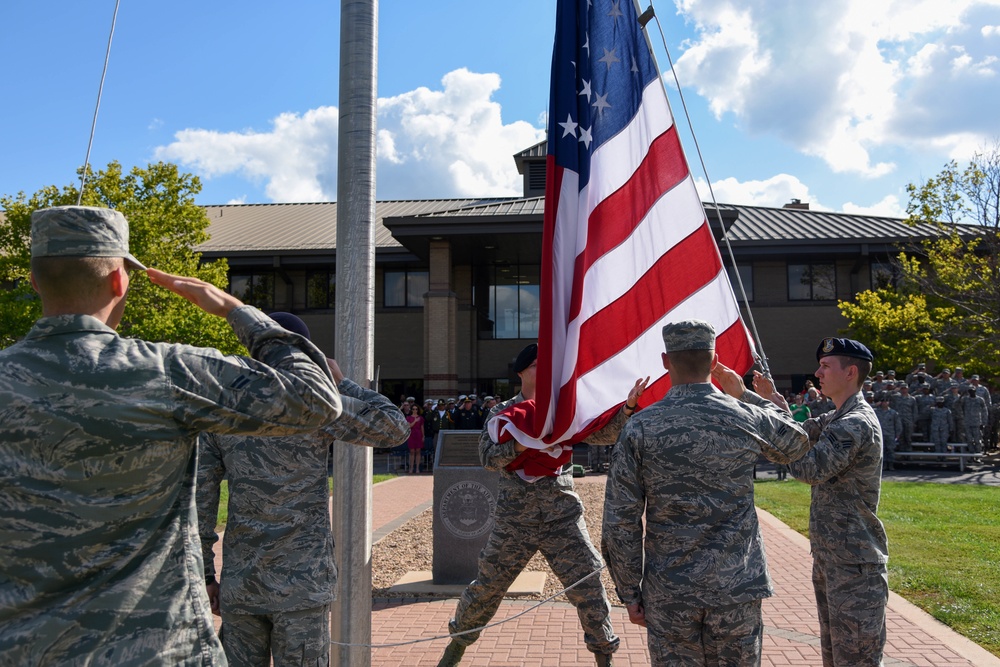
(626,245)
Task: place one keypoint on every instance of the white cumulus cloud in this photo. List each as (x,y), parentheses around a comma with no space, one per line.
(848,81)
(773,192)
(450,142)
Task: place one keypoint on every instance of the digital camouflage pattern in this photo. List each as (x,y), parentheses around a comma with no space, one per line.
(293,637)
(844,468)
(730,636)
(940,427)
(688,335)
(906,406)
(851,600)
(683,470)
(278,547)
(99,556)
(892,432)
(547,516)
(975,414)
(80,231)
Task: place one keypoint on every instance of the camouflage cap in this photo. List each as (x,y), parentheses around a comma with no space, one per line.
(688,335)
(81,231)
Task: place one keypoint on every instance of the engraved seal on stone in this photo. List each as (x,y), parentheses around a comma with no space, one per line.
(466,508)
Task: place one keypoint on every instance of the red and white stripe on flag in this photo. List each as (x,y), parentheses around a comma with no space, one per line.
(626,244)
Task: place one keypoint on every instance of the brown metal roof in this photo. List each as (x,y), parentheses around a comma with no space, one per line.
(288,227)
(758,224)
(258,228)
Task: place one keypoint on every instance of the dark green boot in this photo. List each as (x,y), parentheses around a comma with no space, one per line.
(603,659)
(452,655)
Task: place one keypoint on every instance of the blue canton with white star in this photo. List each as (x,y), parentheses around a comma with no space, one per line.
(600,66)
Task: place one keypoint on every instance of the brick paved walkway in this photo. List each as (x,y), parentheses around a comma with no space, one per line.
(550,635)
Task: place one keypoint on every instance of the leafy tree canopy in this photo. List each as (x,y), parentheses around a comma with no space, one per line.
(946,307)
(165,225)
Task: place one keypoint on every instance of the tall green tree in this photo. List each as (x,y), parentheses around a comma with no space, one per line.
(165,225)
(947,305)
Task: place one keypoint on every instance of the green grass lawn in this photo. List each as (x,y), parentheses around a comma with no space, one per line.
(224,498)
(944,541)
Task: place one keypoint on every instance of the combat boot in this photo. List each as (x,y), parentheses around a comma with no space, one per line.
(603,659)
(452,655)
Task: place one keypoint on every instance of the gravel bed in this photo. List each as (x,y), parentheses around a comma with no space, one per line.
(410,548)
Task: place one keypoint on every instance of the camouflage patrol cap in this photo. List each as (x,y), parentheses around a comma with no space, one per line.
(81,231)
(688,335)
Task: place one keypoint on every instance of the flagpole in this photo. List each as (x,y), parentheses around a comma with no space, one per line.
(644,18)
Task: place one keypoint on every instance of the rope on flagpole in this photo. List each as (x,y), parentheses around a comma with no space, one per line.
(100,91)
(481,628)
(644,18)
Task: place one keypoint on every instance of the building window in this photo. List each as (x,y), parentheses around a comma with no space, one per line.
(812,282)
(746,276)
(512,308)
(321,289)
(254,288)
(405,289)
(885,275)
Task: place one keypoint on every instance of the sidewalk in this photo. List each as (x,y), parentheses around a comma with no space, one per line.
(551,634)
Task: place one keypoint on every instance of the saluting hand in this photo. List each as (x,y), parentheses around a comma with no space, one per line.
(635,392)
(206,296)
(729,380)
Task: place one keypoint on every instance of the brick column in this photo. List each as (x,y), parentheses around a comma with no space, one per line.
(440,308)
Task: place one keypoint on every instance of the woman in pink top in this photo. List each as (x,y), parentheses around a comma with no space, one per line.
(416,441)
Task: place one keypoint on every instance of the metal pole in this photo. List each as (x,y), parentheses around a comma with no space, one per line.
(352,465)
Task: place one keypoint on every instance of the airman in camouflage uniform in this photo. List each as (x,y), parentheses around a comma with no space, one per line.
(99,560)
(686,463)
(976,415)
(943,382)
(906,406)
(953,401)
(278,573)
(541,515)
(925,401)
(848,541)
(892,428)
(940,425)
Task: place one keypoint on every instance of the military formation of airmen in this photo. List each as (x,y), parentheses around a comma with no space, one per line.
(949,410)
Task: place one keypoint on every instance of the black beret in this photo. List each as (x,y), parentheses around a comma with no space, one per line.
(291,322)
(843,347)
(525,357)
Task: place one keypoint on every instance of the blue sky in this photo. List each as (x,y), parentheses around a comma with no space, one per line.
(839,104)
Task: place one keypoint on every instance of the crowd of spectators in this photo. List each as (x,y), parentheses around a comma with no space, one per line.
(467,412)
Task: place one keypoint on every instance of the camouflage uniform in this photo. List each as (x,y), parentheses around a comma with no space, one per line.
(687,462)
(892,428)
(545,515)
(975,414)
(278,568)
(822,406)
(953,401)
(906,406)
(925,401)
(99,559)
(940,427)
(848,541)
